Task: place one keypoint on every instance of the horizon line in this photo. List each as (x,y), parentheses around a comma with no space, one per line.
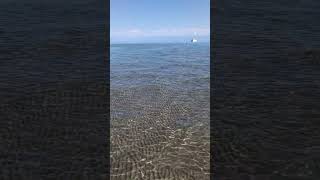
(202,42)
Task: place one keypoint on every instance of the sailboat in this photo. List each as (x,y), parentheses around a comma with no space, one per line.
(194,40)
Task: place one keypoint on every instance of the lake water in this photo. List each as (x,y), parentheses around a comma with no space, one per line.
(53,89)
(266,89)
(173,65)
(160,111)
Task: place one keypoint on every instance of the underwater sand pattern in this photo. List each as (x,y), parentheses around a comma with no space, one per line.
(157,133)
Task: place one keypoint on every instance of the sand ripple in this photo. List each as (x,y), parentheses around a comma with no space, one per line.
(157,133)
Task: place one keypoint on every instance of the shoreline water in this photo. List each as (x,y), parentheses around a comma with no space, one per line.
(160,116)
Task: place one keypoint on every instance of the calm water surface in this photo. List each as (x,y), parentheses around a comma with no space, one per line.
(160,111)
(169,64)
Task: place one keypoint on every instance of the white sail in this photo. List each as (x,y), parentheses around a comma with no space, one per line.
(194,40)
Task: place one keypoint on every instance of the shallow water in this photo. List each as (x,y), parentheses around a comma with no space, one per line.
(160,111)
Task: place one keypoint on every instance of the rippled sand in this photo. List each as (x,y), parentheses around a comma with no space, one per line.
(157,133)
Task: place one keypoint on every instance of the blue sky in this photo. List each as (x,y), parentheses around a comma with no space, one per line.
(138,21)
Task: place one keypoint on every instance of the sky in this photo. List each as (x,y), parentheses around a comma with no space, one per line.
(143,21)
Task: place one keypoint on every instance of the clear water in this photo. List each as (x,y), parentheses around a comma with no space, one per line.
(174,65)
(160,111)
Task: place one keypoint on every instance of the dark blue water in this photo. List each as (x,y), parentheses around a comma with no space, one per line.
(44,42)
(265,89)
(51,54)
